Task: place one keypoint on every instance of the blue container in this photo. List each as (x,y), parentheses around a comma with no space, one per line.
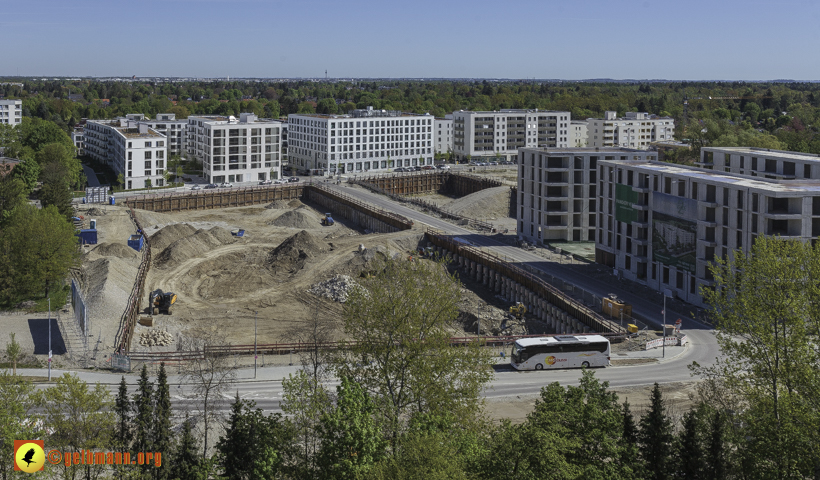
(87,237)
(111,199)
(83,199)
(136,242)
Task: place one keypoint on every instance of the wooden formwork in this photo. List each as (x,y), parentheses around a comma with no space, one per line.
(204,200)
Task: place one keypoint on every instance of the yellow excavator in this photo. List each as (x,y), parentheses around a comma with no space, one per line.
(160,302)
(518,310)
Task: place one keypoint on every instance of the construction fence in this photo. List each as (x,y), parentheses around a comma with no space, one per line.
(128,321)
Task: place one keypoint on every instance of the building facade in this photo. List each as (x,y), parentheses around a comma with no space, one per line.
(761,162)
(578,135)
(558,191)
(443,134)
(247,149)
(78,138)
(363,140)
(133,150)
(635,130)
(11,112)
(168,125)
(663,224)
(491,135)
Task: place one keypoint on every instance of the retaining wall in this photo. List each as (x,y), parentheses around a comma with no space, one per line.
(205,199)
(458,184)
(542,300)
(364,215)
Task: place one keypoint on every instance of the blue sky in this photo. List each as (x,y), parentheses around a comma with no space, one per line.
(569,39)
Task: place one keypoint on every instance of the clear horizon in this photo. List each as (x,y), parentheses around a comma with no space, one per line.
(516,40)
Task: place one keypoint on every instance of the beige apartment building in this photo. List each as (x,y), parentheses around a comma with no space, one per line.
(634,130)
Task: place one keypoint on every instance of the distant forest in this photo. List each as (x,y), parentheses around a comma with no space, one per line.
(769,115)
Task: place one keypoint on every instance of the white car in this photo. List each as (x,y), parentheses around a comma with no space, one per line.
(278,182)
(196,187)
(444,167)
(225,185)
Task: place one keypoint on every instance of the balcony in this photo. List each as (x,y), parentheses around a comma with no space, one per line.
(707,242)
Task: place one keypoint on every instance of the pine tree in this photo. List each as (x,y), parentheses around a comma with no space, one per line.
(187,462)
(630,453)
(161,430)
(122,407)
(716,453)
(688,449)
(655,438)
(144,413)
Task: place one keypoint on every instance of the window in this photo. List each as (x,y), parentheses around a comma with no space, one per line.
(148,155)
(147,144)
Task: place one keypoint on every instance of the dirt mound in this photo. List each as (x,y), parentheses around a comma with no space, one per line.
(278,204)
(487,204)
(366,262)
(115,250)
(229,276)
(300,218)
(170,234)
(95,212)
(292,254)
(107,284)
(196,245)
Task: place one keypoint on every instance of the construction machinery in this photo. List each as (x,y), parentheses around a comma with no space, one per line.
(328,220)
(161,302)
(518,310)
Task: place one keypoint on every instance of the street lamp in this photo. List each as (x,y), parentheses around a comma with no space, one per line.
(255,356)
(666,293)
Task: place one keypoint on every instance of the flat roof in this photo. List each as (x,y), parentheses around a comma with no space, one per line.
(734,179)
(808,157)
(135,133)
(587,150)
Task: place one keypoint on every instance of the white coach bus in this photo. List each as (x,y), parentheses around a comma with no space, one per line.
(561,351)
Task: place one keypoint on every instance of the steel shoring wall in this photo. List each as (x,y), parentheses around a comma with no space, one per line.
(524,285)
(364,215)
(203,200)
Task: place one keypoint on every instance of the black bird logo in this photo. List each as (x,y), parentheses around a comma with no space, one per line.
(27,457)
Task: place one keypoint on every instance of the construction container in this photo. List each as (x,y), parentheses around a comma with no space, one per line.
(238,233)
(631,328)
(87,237)
(668,330)
(614,308)
(136,242)
(111,200)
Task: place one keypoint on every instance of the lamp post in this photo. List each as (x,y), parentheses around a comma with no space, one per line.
(255,356)
(49,339)
(666,293)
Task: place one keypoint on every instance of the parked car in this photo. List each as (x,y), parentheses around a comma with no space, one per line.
(444,167)
(493,163)
(264,182)
(428,167)
(196,187)
(293,179)
(417,168)
(225,185)
(211,185)
(399,169)
(278,182)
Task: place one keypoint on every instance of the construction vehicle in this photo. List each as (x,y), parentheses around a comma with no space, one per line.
(160,302)
(518,310)
(328,220)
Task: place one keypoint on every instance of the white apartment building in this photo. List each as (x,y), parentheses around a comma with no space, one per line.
(443,134)
(132,149)
(168,125)
(235,150)
(578,135)
(489,135)
(761,162)
(558,191)
(11,112)
(663,224)
(361,141)
(635,130)
(78,138)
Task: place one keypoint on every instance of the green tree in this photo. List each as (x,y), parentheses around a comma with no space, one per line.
(28,171)
(351,440)
(122,430)
(121,181)
(254,445)
(305,401)
(402,318)
(148,183)
(187,464)
(327,106)
(12,195)
(161,435)
(57,153)
(40,247)
(688,448)
(767,322)
(37,133)
(655,437)
(13,352)
(78,418)
(143,413)
(427,455)
(17,407)
(55,190)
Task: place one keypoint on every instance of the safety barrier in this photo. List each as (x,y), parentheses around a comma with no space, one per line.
(129,317)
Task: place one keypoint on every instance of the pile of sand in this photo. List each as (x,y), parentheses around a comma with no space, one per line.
(487,204)
(292,254)
(300,218)
(95,212)
(229,276)
(278,204)
(170,234)
(107,283)
(196,245)
(115,250)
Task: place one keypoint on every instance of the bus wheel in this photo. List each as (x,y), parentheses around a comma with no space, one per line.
(585,364)
(538,366)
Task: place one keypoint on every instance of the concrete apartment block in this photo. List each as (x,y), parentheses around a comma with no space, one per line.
(134,150)
(761,162)
(634,130)
(11,112)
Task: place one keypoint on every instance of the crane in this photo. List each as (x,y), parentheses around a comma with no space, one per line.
(686,101)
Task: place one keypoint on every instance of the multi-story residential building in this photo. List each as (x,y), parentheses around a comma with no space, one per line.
(11,112)
(663,224)
(235,150)
(132,149)
(78,137)
(443,134)
(578,135)
(168,125)
(558,191)
(361,141)
(488,135)
(761,162)
(635,130)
